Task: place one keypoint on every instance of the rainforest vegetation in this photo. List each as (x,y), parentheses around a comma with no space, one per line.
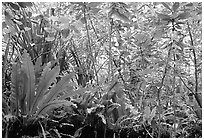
(101,70)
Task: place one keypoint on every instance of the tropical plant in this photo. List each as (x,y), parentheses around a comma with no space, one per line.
(111,69)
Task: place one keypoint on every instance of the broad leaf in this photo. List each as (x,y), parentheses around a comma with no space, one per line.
(22,88)
(153,113)
(14,88)
(25,4)
(120,16)
(61,85)
(112,107)
(189,4)
(166,5)
(54,104)
(146,113)
(102,118)
(94,4)
(69,93)
(95,10)
(65,32)
(74,29)
(164,17)
(178,26)
(184,15)
(175,6)
(78,132)
(38,63)
(29,70)
(122,108)
(22,4)
(14,6)
(50,38)
(48,76)
(28,4)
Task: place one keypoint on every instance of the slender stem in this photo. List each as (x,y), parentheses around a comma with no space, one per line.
(158,93)
(196,72)
(89,45)
(5,61)
(101,66)
(110,72)
(185,84)
(174,98)
(148,131)
(93,26)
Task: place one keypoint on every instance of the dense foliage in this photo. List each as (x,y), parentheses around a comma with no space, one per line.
(102,69)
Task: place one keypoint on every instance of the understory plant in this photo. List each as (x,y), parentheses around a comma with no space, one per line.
(33,95)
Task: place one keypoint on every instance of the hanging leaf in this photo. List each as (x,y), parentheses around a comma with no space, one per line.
(175,6)
(48,76)
(58,88)
(54,104)
(183,15)
(29,70)
(166,5)
(14,6)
